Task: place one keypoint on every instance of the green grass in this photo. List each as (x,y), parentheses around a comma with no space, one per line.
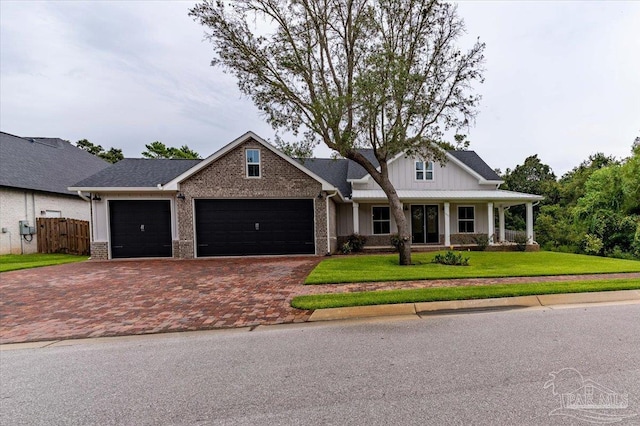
(353,269)
(12,262)
(321,301)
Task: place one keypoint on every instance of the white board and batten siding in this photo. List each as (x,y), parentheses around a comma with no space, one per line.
(449,176)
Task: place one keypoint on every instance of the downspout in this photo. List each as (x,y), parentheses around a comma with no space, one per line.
(326,199)
(81,195)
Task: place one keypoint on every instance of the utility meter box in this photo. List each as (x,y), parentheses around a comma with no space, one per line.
(25,229)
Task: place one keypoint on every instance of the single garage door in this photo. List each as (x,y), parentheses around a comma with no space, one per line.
(246,227)
(140,228)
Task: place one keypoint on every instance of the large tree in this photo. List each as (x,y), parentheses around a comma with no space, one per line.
(385,75)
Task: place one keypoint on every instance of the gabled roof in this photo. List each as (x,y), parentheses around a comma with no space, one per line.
(475,163)
(467,160)
(137,173)
(44,164)
(173,184)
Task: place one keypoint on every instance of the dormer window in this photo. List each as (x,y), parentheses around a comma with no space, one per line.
(253,163)
(424,170)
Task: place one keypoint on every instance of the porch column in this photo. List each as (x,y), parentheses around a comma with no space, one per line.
(356,218)
(501,223)
(447,225)
(491,226)
(529,223)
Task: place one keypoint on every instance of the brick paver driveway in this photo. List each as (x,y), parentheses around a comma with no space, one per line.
(92,299)
(95,299)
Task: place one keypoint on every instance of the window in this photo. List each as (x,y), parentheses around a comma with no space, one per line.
(253,162)
(381,220)
(52,213)
(424,170)
(466,218)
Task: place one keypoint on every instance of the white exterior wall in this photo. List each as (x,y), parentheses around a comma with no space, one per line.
(345,217)
(481,225)
(19,204)
(100,223)
(447,177)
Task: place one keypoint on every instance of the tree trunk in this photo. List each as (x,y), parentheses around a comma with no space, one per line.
(404,248)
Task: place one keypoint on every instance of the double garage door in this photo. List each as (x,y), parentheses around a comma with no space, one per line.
(246,227)
(222,227)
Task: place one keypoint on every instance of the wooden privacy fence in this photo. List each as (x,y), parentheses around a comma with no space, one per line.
(60,235)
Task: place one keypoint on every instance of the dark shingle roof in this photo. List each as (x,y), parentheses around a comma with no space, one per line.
(333,171)
(356,171)
(142,172)
(477,164)
(44,164)
(138,173)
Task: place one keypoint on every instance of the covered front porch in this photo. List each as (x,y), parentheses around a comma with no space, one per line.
(438,218)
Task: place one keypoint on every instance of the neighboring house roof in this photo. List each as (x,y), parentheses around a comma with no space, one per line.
(44,164)
(138,173)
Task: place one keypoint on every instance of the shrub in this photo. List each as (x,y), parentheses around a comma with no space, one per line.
(346,248)
(592,244)
(520,238)
(450,258)
(395,241)
(356,242)
(482,241)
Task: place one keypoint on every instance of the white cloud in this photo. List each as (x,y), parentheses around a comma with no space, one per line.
(561,78)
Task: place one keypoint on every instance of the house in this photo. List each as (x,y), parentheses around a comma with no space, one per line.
(249,198)
(34,176)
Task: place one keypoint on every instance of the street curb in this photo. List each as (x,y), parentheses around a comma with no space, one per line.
(461,306)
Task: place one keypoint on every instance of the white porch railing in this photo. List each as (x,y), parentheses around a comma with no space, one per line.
(510,235)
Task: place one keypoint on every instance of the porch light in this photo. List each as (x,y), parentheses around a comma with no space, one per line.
(181,196)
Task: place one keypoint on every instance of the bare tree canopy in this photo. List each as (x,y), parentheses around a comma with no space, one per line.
(352,74)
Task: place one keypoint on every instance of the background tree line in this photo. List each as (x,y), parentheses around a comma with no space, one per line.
(592,209)
(153,150)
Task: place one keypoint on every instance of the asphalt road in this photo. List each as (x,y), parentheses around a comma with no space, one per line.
(480,368)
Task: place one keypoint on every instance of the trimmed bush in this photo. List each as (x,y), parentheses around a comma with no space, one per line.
(450,258)
(482,241)
(520,238)
(356,241)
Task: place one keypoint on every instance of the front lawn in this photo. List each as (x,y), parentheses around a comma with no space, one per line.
(12,262)
(383,297)
(352,269)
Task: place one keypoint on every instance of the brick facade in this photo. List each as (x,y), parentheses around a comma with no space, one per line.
(226,178)
(99,250)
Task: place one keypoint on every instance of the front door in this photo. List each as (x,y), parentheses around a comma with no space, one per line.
(424,224)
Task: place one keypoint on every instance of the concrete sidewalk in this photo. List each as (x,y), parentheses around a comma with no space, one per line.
(461,306)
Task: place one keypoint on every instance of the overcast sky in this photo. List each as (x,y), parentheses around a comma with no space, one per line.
(562,78)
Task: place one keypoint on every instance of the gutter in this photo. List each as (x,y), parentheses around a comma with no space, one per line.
(326,199)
